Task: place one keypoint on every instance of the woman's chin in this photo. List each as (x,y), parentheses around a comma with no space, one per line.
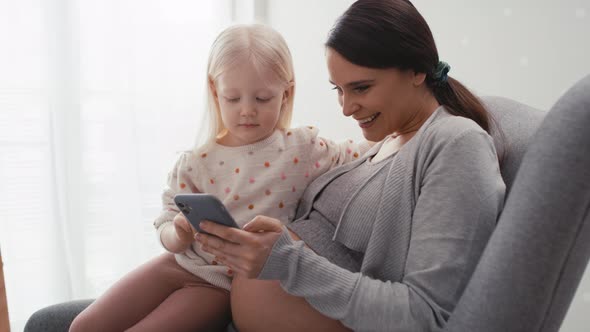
(373,136)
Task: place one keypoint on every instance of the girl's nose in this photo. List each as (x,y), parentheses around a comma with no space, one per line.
(249,109)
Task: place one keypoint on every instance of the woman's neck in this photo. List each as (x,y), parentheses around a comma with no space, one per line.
(394,142)
(423,111)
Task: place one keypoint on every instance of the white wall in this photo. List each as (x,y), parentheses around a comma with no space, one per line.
(305,25)
(530,50)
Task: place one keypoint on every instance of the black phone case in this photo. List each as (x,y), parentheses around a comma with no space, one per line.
(198,207)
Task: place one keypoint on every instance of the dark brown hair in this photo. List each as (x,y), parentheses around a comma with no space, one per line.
(393,34)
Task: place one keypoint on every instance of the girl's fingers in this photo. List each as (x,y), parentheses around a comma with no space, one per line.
(187,227)
(181,222)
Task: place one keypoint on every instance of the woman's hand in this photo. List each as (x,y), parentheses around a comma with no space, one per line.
(244,251)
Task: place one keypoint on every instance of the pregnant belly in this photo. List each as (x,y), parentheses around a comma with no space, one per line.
(260,305)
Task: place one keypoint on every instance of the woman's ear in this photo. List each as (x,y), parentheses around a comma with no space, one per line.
(419,79)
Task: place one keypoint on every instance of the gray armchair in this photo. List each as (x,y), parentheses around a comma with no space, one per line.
(535,258)
(533,263)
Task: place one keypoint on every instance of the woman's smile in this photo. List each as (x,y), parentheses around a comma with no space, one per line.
(368,121)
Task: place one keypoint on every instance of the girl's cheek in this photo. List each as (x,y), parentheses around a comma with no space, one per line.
(276,106)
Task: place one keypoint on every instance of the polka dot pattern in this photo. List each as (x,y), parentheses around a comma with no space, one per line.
(251,181)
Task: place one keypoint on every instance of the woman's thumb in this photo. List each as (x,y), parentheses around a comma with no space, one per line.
(263,224)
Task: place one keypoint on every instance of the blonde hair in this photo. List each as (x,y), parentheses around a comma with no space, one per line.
(266,49)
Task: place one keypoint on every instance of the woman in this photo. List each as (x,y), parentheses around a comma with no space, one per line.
(389,242)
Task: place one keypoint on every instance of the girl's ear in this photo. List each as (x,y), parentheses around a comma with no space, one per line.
(212,87)
(288,92)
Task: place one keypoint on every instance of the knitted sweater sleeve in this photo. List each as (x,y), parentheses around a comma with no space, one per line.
(327,154)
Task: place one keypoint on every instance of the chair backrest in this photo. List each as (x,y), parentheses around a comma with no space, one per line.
(534,260)
(518,123)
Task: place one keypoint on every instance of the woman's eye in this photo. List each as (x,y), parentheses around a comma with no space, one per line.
(337,89)
(361,88)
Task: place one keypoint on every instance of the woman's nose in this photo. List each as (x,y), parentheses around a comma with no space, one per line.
(349,107)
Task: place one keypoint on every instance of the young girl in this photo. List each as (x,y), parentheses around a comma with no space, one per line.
(253,162)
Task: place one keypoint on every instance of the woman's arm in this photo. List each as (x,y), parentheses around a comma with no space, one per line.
(460,198)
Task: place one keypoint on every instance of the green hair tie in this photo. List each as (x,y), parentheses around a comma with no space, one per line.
(439,75)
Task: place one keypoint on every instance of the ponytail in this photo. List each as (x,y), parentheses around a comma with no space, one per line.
(459,101)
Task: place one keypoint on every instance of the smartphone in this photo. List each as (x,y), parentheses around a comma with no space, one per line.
(199,207)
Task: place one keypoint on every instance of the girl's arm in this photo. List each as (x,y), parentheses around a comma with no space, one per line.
(343,152)
(326,154)
(175,234)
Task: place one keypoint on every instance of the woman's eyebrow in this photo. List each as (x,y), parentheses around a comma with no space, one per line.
(355,83)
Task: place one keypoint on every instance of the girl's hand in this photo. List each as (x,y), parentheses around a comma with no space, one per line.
(184,231)
(244,251)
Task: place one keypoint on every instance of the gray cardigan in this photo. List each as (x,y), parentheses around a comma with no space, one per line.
(439,205)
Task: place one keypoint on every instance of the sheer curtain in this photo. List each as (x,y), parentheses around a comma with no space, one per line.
(96,99)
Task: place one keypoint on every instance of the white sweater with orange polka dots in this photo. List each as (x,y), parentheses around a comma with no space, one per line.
(263,178)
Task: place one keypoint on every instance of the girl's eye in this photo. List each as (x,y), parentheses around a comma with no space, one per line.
(361,88)
(232,100)
(263,100)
